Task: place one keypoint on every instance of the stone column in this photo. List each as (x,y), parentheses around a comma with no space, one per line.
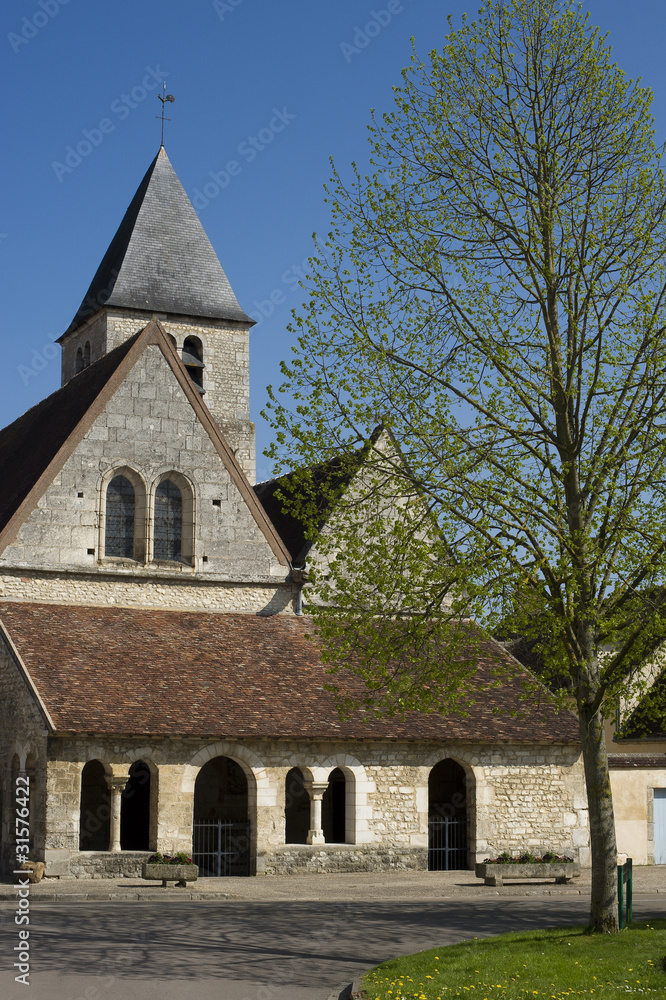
(116,784)
(316,791)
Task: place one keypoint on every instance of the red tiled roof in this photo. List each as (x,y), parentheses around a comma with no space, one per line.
(119,670)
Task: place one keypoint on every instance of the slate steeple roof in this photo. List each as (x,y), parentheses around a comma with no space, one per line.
(161,259)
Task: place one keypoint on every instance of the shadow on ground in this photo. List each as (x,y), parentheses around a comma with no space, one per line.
(300,943)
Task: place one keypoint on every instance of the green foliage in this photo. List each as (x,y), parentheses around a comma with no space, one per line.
(527,858)
(181,858)
(555,964)
(492,295)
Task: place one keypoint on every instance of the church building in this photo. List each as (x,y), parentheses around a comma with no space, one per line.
(157,685)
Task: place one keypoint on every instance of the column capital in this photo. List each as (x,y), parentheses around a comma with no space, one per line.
(315,789)
(116,782)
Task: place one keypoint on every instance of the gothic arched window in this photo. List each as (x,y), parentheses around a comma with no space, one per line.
(168,522)
(120,511)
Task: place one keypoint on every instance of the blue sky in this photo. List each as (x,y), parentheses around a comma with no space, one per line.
(67,66)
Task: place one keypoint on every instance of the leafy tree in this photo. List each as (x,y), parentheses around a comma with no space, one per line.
(493,292)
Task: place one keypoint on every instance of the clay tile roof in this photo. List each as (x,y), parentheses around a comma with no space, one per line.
(161,259)
(152,672)
(31,442)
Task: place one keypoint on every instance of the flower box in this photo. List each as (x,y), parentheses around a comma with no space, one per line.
(180,874)
(495,874)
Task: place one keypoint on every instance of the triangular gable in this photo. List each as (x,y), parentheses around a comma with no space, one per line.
(338,475)
(99,383)
(34,443)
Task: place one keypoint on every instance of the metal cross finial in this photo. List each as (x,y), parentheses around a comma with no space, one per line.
(164,97)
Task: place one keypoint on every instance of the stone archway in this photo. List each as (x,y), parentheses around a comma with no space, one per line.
(95,810)
(448,828)
(221,839)
(333,808)
(296,808)
(135,803)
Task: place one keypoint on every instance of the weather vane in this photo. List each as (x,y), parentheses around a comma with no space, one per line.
(164,97)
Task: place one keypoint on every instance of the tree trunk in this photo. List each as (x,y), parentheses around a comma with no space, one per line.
(603,904)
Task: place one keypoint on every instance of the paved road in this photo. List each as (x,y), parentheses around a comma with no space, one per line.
(248,950)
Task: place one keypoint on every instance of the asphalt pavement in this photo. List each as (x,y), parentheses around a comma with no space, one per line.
(288,938)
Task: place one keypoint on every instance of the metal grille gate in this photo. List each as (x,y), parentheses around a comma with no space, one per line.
(447,844)
(221,847)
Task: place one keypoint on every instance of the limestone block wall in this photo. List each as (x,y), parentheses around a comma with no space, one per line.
(531,800)
(92,332)
(226,355)
(145,589)
(23,736)
(149,426)
(518,797)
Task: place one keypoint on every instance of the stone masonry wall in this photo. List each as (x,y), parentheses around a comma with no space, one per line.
(518,797)
(22,742)
(144,589)
(94,333)
(149,426)
(226,355)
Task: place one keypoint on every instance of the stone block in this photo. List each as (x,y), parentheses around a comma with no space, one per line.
(35,870)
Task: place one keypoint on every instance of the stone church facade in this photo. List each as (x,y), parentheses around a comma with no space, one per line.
(157,684)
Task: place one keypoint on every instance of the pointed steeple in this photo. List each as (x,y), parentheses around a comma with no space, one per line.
(160,259)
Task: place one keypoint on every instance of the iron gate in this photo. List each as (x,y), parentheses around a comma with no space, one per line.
(221,847)
(447,844)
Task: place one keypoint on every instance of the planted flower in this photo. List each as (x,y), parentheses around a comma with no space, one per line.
(527,858)
(177,867)
(181,858)
(527,865)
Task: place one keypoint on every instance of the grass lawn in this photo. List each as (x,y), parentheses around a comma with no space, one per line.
(558,963)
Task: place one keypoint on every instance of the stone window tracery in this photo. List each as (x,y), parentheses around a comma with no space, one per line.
(120,515)
(168,530)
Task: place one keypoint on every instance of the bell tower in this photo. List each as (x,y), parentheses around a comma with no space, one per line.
(160,265)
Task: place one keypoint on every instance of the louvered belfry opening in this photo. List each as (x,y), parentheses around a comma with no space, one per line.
(193,360)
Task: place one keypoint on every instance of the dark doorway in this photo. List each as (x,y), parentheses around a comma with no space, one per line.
(221,841)
(135,809)
(448,839)
(95,816)
(296,808)
(333,819)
